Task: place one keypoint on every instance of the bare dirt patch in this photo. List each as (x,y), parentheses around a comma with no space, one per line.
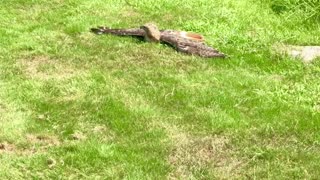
(44,68)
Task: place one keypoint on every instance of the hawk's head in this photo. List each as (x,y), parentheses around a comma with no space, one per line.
(152,32)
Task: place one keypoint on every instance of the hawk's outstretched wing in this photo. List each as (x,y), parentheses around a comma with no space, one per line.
(120,32)
(186,42)
(189,45)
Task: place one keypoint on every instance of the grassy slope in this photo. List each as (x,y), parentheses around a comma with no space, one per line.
(104,106)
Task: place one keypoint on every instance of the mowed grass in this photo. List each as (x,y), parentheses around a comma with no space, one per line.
(75,105)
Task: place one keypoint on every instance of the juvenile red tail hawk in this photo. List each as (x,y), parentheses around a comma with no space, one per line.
(186,42)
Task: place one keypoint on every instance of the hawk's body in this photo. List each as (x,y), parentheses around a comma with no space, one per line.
(190,43)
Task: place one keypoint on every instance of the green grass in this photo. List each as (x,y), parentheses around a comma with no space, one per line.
(76,105)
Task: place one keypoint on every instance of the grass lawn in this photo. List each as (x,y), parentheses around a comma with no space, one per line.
(74,105)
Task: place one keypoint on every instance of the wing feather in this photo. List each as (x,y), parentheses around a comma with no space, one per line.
(189,43)
(119,32)
(189,46)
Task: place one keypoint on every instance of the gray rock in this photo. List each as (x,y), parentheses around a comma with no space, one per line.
(305,53)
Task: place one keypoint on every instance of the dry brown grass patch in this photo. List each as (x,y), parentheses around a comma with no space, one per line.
(6,147)
(92,130)
(191,156)
(44,68)
(129,12)
(209,153)
(43,140)
(3,108)
(35,144)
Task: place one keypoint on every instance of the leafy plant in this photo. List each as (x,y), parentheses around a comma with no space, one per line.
(307,10)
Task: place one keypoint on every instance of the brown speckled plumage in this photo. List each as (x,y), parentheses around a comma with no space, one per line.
(186,42)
